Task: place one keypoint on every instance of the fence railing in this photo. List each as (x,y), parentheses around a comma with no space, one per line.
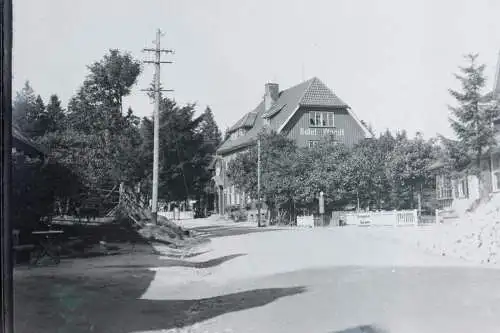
(177,215)
(383,218)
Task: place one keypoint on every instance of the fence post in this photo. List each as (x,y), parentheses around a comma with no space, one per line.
(437,216)
(415,216)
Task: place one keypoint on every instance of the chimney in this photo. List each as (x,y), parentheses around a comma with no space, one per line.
(272,94)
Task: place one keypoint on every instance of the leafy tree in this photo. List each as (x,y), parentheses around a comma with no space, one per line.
(98,104)
(99,137)
(366,177)
(279,171)
(113,77)
(322,168)
(408,169)
(473,116)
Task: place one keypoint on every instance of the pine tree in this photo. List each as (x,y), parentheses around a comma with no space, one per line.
(472,119)
(209,129)
(55,115)
(23,107)
(38,118)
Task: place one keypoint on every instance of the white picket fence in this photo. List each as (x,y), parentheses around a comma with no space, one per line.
(186,215)
(383,218)
(305,221)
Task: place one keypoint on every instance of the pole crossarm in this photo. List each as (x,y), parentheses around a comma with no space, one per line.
(153,90)
(156,62)
(156,50)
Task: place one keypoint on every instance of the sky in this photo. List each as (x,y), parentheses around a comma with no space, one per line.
(392,61)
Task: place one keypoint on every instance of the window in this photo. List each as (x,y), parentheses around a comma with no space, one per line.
(496,180)
(461,188)
(444,187)
(495,168)
(321,119)
(313,143)
(455,188)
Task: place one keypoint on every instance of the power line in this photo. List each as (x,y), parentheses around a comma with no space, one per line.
(156,117)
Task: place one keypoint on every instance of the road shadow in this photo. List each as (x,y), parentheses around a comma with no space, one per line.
(362,329)
(190,255)
(224,231)
(108,301)
(183,263)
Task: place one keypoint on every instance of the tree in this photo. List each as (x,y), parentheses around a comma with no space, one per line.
(98,104)
(453,154)
(184,154)
(322,169)
(210,131)
(112,78)
(408,169)
(96,126)
(23,108)
(366,177)
(280,172)
(472,118)
(55,117)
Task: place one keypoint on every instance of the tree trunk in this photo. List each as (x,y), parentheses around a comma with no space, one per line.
(479,175)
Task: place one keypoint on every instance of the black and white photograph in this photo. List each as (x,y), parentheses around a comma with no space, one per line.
(264,166)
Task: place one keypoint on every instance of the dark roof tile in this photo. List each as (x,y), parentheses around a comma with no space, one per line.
(318,94)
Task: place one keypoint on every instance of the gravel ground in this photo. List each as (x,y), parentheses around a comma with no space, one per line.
(264,280)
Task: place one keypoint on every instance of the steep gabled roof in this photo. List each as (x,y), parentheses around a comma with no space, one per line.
(249,137)
(288,99)
(311,93)
(246,121)
(318,94)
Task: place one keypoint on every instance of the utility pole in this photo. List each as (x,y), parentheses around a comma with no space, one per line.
(258,182)
(156,118)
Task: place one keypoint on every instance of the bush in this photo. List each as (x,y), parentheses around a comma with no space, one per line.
(237,213)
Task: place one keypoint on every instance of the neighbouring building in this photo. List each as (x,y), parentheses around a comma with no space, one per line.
(459,192)
(24,145)
(305,113)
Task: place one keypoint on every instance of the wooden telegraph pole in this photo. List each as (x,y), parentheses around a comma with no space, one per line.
(156,118)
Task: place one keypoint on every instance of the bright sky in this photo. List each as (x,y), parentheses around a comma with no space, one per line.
(392,61)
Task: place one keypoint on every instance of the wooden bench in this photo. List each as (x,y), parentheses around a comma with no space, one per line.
(19,247)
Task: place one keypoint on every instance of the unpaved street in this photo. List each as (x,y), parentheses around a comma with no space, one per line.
(264,280)
(329,280)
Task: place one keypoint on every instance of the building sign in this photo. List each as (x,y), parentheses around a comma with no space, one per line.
(322,131)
